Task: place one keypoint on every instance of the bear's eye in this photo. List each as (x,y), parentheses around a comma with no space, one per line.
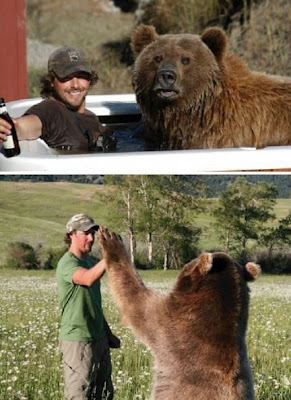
(158,59)
(185,60)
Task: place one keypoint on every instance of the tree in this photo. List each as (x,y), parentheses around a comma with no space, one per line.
(21,255)
(125,201)
(179,198)
(148,209)
(159,207)
(278,236)
(242,212)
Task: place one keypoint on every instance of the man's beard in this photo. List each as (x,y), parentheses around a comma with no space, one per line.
(62,100)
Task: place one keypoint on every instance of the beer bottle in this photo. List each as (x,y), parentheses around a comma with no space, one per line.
(11,145)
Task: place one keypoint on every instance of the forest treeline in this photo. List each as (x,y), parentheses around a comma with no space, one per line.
(165,219)
(215,183)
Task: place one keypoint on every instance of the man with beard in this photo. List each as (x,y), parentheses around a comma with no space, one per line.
(85,337)
(61,119)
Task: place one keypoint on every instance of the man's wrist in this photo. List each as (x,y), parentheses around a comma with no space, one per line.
(102,265)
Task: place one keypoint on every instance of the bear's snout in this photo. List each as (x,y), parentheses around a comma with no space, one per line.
(165,83)
(166,78)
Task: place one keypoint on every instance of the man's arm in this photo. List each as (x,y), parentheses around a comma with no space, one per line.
(88,277)
(27,127)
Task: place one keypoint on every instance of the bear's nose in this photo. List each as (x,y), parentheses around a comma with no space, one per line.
(166,77)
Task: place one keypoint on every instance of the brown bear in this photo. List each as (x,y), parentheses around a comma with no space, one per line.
(196,332)
(194,94)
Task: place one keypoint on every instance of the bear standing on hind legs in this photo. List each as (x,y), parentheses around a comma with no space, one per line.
(196,332)
(194,94)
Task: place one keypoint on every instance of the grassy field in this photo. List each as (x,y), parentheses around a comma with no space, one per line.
(30,363)
(37,212)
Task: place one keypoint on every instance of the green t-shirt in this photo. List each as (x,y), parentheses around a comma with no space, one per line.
(82,315)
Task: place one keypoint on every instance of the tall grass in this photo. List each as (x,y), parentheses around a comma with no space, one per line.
(264,40)
(183,16)
(30,362)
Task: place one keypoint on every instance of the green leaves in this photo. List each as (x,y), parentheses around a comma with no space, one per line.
(242,211)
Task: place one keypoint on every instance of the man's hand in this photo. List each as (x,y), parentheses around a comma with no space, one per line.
(5,128)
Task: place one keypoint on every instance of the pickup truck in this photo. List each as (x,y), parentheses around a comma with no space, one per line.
(122,113)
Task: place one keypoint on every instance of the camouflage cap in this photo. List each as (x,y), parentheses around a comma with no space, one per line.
(66,60)
(81,222)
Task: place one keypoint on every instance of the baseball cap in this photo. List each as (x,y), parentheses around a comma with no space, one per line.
(66,60)
(81,222)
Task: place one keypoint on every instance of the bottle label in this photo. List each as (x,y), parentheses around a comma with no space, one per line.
(9,144)
(3,110)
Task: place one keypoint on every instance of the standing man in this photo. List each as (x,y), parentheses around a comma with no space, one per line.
(61,119)
(85,336)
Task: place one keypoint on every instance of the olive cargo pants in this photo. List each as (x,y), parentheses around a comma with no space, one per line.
(87,370)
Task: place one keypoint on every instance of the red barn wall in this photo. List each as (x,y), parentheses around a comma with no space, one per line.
(13,65)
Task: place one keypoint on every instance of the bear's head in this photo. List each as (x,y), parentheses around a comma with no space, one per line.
(176,67)
(209,265)
(215,285)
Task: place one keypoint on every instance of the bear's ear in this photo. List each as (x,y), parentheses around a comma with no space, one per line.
(205,263)
(141,37)
(252,271)
(202,264)
(216,40)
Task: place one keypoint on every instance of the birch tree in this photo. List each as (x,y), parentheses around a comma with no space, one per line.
(124,200)
(242,213)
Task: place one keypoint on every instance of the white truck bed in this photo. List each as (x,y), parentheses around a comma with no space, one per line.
(36,157)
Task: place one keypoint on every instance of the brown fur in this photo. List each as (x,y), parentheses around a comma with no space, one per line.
(197,331)
(216,100)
